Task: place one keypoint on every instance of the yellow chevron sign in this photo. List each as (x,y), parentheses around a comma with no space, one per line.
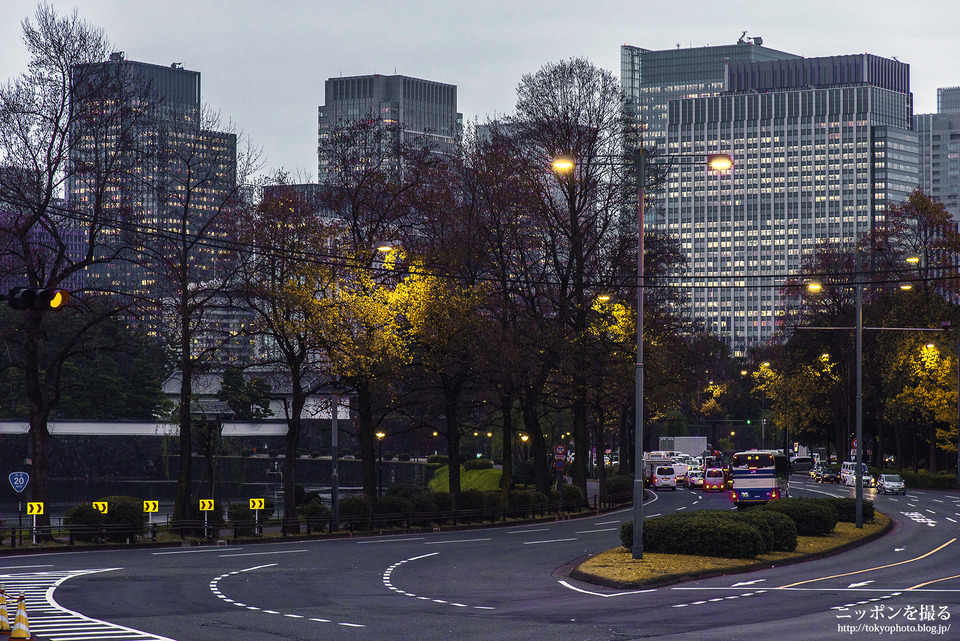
(100,506)
(207,505)
(35,508)
(151,506)
(257,504)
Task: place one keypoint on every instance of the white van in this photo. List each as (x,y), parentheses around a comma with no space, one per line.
(848,474)
(665,476)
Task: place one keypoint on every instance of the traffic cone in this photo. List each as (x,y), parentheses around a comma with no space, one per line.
(4,619)
(21,629)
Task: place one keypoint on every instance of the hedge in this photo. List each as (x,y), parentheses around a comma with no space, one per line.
(716,533)
(814,517)
(846,508)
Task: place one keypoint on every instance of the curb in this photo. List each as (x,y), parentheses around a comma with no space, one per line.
(579,575)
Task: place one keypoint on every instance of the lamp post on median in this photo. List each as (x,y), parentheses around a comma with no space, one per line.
(716,162)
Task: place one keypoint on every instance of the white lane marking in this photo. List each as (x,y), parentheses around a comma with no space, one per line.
(388,574)
(190,551)
(609,529)
(391,540)
(548,541)
(601,594)
(607,522)
(215,588)
(51,620)
(542,529)
(227,556)
(454,541)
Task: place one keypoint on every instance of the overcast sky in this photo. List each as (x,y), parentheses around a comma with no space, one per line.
(263,64)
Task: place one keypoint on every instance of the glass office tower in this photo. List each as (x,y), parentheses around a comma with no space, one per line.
(422,108)
(821,147)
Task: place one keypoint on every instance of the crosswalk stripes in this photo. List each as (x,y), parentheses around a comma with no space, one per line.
(49,620)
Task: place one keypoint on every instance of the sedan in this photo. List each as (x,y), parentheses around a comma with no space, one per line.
(829,475)
(891,484)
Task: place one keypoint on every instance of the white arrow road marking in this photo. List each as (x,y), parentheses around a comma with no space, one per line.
(737,585)
(899,549)
(859,585)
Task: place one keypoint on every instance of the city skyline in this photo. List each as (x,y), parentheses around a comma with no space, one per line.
(265,71)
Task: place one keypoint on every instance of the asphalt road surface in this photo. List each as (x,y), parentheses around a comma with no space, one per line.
(500,583)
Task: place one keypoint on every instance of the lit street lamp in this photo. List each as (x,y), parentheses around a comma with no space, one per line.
(716,162)
(380,436)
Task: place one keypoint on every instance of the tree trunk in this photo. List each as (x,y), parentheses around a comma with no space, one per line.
(543,473)
(506,409)
(453,460)
(366,433)
(181,508)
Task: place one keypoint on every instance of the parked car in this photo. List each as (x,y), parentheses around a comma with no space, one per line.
(828,474)
(694,479)
(891,484)
(713,480)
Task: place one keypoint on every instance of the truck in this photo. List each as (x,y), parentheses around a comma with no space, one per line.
(690,445)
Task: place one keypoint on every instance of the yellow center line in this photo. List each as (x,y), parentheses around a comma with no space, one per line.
(946,578)
(824,578)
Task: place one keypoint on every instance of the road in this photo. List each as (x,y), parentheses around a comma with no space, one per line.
(498,583)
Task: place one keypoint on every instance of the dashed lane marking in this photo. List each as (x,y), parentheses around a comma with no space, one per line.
(215,588)
(387,581)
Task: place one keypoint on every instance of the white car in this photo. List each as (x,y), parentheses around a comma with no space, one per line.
(891,484)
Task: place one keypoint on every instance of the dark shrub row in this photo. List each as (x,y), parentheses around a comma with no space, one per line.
(814,517)
(716,533)
(124,520)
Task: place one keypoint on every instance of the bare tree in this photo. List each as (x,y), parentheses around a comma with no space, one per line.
(61,123)
(195,181)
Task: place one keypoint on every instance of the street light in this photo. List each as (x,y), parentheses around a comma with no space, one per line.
(716,162)
(380,436)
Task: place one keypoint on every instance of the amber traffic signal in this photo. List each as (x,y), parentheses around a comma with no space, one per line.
(37,298)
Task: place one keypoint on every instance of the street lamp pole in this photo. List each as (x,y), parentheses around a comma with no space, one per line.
(858,478)
(637,546)
(716,162)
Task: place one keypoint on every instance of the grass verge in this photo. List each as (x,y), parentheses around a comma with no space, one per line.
(618,569)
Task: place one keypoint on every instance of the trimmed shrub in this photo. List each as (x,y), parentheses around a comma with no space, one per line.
(813,517)
(392,510)
(246,451)
(478,464)
(846,508)
(492,504)
(315,513)
(405,491)
(472,501)
(573,498)
(928,480)
(437,459)
(84,522)
(356,511)
(124,518)
(403,457)
(713,533)
(619,488)
(778,530)
(315,454)
(389,456)
(242,518)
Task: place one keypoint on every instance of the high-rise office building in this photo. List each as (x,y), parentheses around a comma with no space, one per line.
(420,108)
(940,150)
(166,154)
(652,78)
(821,146)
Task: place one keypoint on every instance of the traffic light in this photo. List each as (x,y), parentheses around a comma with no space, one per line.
(37,298)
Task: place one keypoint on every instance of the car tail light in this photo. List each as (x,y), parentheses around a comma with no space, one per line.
(773,494)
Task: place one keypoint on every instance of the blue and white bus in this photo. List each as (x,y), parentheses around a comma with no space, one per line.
(759,476)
